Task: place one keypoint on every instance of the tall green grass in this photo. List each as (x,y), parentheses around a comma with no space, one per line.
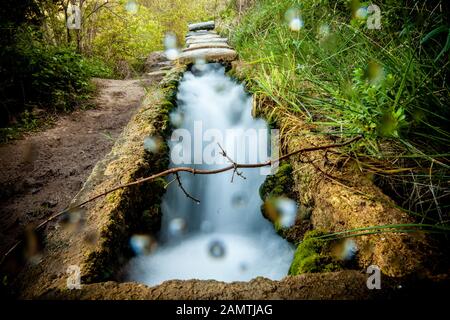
(388,85)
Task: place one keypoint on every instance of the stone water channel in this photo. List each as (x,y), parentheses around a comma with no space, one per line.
(98,246)
(224,236)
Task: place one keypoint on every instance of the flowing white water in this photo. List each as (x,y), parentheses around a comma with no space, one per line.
(224,237)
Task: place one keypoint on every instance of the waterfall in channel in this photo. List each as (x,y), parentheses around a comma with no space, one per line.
(224,237)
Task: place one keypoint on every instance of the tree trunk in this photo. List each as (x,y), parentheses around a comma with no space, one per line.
(79,31)
(65,6)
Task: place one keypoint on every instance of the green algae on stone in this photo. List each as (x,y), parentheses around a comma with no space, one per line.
(313,255)
(135,209)
(279,184)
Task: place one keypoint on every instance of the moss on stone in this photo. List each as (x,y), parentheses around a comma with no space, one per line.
(313,255)
(135,209)
(282,185)
(279,184)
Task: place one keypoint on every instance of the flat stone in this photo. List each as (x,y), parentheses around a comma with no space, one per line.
(203,36)
(166,68)
(208,25)
(194,41)
(209,54)
(206,46)
(154,60)
(159,73)
(164,63)
(198,33)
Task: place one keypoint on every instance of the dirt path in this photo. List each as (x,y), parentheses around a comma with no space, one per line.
(41,173)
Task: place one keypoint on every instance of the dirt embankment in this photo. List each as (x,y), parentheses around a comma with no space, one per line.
(342,285)
(95,238)
(41,173)
(338,197)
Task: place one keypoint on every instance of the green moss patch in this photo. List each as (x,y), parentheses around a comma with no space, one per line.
(279,184)
(313,255)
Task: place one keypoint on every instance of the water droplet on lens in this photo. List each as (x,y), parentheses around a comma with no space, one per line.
(287,211)
(361,13)
(216,249)
(199,65)
(349,249)
(91,238)
(374,72)
(72,218)
(324,31)
(239,200)
(170,40)
(131,6)
(296,24)
(170,44)
(243,267)
(206,226)
(152,144)
(171,54)
(142,244)
(176,118)
(293,19)
(177,227)
(33,246)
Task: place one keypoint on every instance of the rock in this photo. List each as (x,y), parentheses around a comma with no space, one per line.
(37,112)
(49,203)
(193,41)
(165,68)
(203,36)
(198,33)
(35,190)
(154,60)
(209,54)
(209,25)
(207,45)
(31,182)
(163,64)
(159,73)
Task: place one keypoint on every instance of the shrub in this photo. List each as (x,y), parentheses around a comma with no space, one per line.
(388,85)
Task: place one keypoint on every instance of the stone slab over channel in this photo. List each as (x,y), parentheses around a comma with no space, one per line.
(202,36)
(205,40)
(204,43)
(209,55)
(99,247)
(206,46)
(208,25)
(202,32)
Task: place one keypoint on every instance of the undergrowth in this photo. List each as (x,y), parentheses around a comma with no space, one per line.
(319,61)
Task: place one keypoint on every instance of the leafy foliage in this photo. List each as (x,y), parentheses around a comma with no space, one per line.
(36,74)
(43,64)
(124,39)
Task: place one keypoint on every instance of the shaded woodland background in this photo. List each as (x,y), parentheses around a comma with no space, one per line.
(45,65)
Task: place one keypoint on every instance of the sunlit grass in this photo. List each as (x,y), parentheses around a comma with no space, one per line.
(387,85)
